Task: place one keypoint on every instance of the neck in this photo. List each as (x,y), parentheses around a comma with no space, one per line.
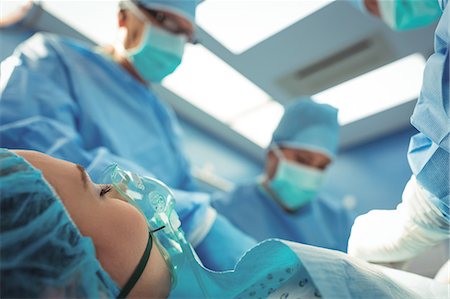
(124,62)
(266,187)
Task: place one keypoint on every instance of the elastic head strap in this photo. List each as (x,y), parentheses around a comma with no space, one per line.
(138,271)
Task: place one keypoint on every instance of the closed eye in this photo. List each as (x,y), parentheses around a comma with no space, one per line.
(105,189)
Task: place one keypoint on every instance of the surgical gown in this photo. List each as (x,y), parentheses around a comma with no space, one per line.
(61,97)
(323,222)
(430,149)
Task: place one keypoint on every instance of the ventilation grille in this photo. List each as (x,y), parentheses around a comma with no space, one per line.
(341,66)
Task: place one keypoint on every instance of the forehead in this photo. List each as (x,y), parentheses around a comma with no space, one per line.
(56,171)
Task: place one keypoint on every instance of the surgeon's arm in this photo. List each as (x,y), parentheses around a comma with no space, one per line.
(218,243)
(399,235)
(432,112)
(224,245)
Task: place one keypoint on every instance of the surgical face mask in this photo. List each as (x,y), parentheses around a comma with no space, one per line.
(409,14)
(159,52)
(294,184)
(190,279)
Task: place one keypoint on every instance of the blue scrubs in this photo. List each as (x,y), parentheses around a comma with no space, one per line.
(323,222)
(60,97)
(429,150)
(432,112)
(72,103)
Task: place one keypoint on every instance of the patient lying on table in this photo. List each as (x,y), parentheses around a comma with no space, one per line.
(64,236)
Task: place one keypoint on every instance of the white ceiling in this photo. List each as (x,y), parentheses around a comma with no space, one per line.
(253,21)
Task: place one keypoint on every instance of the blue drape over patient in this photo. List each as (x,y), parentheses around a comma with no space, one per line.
(43,254)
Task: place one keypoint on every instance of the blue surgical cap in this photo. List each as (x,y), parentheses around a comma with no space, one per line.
(308,125)
(43,254)
(185,8)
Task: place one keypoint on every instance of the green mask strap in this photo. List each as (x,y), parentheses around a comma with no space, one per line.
(138,271)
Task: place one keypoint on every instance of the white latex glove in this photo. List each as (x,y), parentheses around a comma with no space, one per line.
(384,236)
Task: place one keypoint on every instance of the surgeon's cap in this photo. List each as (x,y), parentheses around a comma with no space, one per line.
(308,125)
(185,8)
(43,254)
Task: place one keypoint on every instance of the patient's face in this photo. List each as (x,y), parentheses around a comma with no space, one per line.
(119,231)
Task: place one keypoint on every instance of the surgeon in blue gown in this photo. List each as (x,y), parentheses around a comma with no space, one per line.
(285,202)
(94,106)
(422,219)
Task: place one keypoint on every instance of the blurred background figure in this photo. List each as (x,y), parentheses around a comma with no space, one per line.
(285,201)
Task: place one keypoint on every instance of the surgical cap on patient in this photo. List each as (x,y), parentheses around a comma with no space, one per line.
(308,125)
(185,8)
(42,252)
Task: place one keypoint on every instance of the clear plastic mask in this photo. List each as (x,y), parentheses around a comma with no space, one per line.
(156,202)
(190,279)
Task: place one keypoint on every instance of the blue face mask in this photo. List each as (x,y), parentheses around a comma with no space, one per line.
(294,184)
(263,269)
(158,55)
(159,52)
(409,14)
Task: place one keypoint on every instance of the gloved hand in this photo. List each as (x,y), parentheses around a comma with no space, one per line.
(401,234)
(443,275)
